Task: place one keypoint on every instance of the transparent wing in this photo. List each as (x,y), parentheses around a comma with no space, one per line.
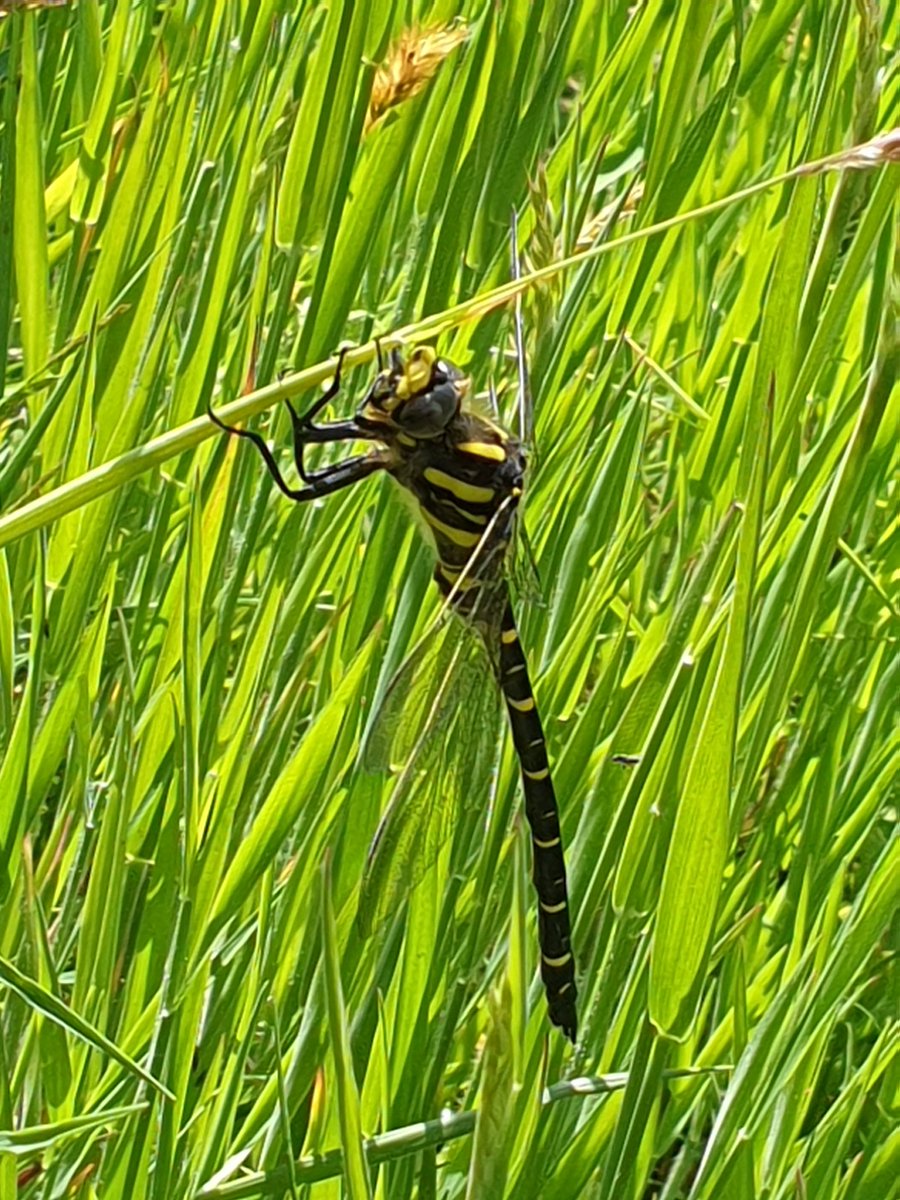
(439,725)
(423,690)
(406,706)
(522,569)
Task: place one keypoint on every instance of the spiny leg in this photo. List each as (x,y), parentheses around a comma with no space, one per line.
(307,433)
(317,483)
(301,424)
(268,457)
(304,421)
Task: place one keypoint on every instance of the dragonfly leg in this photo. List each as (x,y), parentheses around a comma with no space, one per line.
(304,421)
(323,481)
(317,483)
(307,433)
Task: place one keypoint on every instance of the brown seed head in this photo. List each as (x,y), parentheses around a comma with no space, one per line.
(411,63)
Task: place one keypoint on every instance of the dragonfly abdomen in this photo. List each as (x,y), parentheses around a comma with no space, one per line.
(541,809)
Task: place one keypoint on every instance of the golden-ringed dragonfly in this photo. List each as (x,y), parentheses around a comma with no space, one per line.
(466,474)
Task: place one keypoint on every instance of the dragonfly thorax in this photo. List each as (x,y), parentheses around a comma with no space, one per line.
(464,471)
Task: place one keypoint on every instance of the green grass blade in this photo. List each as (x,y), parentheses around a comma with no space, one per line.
(53,1009)
(356,1173)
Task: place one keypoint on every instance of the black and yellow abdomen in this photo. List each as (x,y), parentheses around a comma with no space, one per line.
(468,485)
(542,811)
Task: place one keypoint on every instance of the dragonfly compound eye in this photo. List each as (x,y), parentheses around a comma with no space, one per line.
(428,415)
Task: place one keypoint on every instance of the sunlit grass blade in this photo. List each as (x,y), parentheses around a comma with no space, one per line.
(356,1173)
(53,1009)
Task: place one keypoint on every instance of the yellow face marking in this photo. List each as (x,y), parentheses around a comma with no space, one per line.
(418,369)
(553,908)
(371,413)
(546,845)
(536,774)
(405,440)
(557,962)
(525,705)
(388,393)
(469,493)
(508,637)
(483,450)
(459,537)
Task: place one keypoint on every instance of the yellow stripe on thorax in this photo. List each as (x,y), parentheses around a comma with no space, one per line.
(459,537)
(483,450)
(475,518)
(467,492)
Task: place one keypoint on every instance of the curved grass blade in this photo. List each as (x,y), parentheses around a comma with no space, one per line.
(44,1002)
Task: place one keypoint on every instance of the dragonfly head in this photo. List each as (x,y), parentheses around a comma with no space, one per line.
(419,395)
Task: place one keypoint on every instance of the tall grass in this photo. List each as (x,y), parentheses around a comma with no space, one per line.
(196,196)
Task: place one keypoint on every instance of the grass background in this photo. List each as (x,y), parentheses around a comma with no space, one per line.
(192,201)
